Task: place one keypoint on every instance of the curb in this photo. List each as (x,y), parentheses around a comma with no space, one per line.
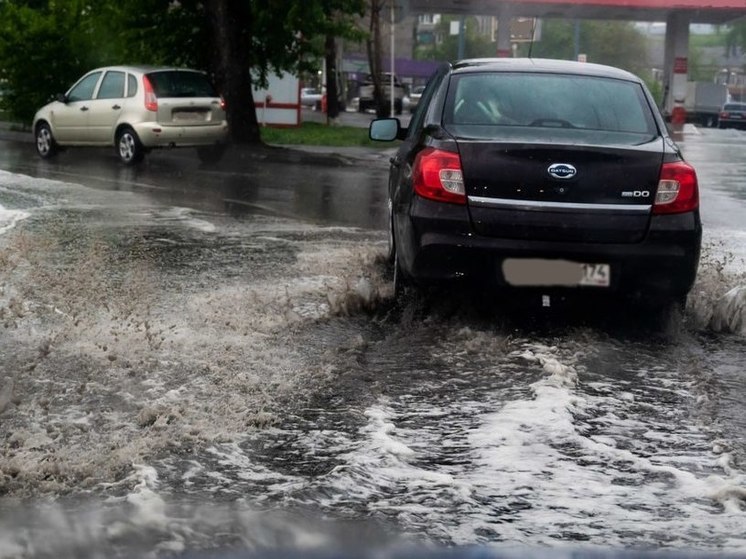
(236,155)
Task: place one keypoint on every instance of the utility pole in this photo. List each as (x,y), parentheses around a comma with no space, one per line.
(462,38)
(393,58)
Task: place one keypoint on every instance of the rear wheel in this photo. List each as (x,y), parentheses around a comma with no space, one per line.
(668,316)
(402,285)
(46,146)
(129,147)
(391,249)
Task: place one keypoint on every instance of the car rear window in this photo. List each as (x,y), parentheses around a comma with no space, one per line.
(735,107)
(179,83)
(537,107)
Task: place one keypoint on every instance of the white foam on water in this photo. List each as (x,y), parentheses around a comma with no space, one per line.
(10,218)
(716,301)
(562,464)
(187,217)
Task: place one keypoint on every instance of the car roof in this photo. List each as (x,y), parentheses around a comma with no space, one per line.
(540,65)
(142,68)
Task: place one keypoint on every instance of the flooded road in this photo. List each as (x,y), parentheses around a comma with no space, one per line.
(193,359)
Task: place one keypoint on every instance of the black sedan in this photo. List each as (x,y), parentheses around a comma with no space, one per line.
(544,176)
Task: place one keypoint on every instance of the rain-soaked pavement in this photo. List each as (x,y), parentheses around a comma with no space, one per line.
(195,358)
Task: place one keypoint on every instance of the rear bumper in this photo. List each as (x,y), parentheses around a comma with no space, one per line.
(438,244)
(153,135)
(732,123)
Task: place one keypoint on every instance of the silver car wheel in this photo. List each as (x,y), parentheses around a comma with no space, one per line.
(129,147)
(46,147)
(44,141)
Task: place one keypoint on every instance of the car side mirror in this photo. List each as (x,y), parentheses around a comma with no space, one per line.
(61,98)
(386,130)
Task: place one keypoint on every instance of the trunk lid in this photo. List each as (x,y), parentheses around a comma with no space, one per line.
(561,192)
(194,111)
(185,98)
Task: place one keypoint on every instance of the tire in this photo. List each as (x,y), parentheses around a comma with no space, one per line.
(129,147)
(391,249)
(211,154)
(668,316)
(46,146)
(402,285)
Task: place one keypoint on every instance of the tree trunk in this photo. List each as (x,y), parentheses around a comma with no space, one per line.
(332,91)
(231,27)
(374,57)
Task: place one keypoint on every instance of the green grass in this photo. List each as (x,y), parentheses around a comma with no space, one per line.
(711,40)
(315,134)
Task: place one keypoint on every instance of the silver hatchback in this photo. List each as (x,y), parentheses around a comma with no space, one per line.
(135,109)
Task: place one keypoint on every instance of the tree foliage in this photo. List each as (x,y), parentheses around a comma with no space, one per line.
(42,50)
(46,44)
(736,37)
(604,42)
(476,45)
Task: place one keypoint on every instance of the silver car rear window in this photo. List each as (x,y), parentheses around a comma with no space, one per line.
(176,83)
(536,106)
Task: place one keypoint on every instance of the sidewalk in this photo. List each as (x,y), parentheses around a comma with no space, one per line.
(236,155)
(8,132)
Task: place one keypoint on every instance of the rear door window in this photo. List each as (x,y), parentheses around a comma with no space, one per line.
(131,85)
(112,86)
(175,83)
(537,106)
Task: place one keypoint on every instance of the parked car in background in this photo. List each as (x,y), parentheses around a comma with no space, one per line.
(310,97)
(135,109)
(414,97)
(367,99)
(733,115)
(542,176)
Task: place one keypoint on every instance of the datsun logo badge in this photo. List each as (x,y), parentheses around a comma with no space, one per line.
(562,171)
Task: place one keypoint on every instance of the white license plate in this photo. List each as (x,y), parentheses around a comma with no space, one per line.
(191,116)
(537,272)
(596,274)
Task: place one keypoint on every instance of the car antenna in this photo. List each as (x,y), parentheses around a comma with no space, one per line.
(533,35)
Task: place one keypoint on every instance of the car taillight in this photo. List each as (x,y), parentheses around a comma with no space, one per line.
(437,176)
(724,115)
(222,103)
(678,190)
(151,101)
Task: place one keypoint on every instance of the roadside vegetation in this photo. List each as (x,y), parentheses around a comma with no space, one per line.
(316,134)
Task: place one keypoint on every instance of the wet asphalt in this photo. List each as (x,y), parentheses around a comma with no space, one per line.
(206,357)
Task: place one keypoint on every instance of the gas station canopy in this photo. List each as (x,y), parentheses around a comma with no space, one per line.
(698,11)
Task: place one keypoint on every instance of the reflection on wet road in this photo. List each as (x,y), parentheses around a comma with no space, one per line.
(332,189)
(179,375)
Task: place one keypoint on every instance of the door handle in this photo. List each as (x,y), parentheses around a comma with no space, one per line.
(116,107)
(84,109)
